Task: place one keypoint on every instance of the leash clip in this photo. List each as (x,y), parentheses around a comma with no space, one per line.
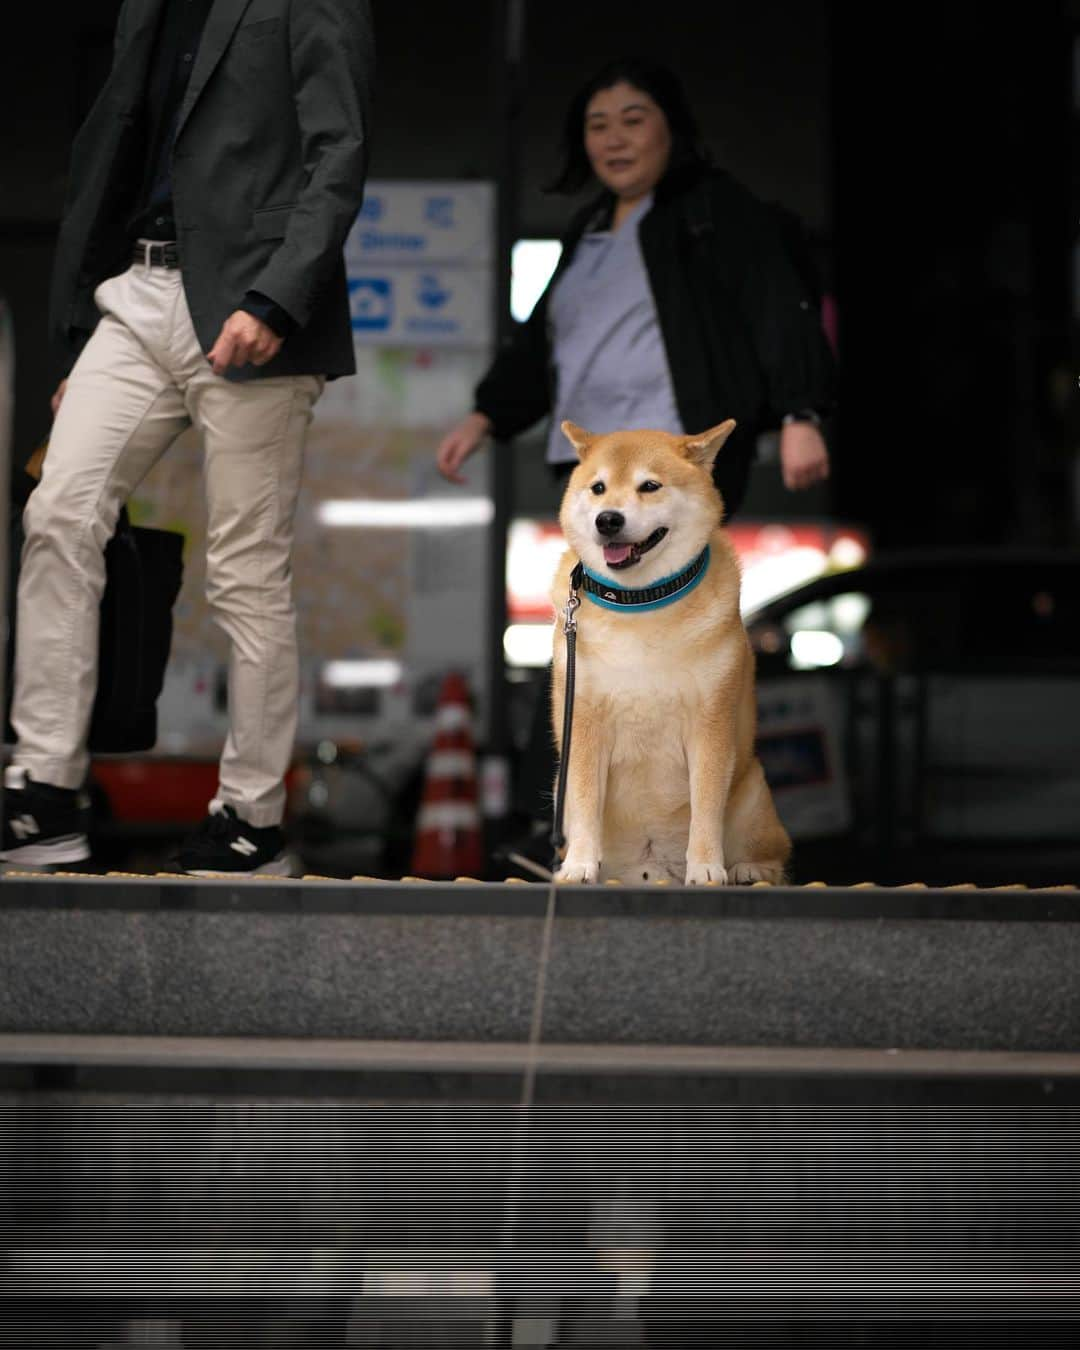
(573,600)
(573,604)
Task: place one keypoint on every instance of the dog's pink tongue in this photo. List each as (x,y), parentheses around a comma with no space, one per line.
(616,553)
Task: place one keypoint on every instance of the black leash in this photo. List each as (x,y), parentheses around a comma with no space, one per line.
(573,603)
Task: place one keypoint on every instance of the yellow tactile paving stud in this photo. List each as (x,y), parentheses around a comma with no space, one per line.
(814,885)
(865,886)
(755,884)
(468,881)
(613,881)
(516,881)
(359,877)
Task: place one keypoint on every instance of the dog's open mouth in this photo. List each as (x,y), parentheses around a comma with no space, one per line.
(619,556)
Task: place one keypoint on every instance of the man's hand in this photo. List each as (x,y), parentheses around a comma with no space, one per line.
(804,458)
(58,397)
(243,339)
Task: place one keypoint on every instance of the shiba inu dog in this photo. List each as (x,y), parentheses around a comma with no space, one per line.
(662,782)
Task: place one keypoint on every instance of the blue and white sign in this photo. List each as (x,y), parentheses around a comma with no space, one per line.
(428,222)
(422,306)
(420,262)
(800,749)
(371,304)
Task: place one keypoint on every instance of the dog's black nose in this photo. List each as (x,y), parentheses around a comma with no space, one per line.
(610,522)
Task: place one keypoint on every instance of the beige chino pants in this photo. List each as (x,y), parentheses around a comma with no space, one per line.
(140,381)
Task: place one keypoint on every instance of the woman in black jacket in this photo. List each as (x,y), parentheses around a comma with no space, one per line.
(695,313)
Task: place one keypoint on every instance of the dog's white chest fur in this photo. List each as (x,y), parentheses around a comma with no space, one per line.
(650,690)
(644,671)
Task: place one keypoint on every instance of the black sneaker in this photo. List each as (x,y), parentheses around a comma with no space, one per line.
(43,825)
(224,843)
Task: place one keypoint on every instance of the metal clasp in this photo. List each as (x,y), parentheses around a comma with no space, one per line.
(573,604)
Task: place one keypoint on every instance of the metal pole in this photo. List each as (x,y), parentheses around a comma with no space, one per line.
(508,29)
(7,410)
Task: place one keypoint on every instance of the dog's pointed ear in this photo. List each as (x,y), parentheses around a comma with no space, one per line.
(703,449)
(579,438)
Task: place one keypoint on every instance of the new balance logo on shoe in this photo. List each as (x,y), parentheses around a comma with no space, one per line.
(43,824)
(224,843)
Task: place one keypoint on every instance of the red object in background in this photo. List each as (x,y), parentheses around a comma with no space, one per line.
(448,840)
(157,791)
(535,548)
(755,539)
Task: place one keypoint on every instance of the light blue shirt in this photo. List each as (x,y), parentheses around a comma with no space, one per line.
(611,369)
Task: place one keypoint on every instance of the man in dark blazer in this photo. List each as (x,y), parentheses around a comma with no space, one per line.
(198,280)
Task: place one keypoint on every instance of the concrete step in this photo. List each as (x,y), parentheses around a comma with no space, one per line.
(795,968)
(322,1113)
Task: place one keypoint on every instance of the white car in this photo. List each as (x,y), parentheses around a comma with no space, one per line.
(918,717)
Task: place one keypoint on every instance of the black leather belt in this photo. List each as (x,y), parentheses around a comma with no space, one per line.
(160,253)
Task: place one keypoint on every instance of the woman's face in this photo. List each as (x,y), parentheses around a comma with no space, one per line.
(627,140)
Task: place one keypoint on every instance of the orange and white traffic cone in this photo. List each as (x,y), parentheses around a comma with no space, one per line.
(448,840)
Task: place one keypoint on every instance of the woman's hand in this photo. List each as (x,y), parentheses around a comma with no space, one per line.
(459,443)
(804,457)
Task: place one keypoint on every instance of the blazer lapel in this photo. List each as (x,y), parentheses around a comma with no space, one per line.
(220,25)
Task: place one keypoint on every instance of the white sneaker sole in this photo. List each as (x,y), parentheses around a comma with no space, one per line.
(67,848)
(282,866)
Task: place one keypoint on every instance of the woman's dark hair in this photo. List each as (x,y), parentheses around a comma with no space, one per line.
(661,85)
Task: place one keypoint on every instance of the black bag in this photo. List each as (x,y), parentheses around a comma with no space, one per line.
(143,572)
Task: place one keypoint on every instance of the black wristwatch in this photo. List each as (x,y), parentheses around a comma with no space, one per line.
(803,415)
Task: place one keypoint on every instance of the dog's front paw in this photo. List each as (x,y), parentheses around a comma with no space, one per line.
(578,871)
(706,874)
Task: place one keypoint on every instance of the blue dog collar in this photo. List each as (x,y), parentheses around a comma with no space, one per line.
(610,595)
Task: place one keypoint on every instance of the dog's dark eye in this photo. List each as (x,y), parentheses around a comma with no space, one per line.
(597,489)
(650,485)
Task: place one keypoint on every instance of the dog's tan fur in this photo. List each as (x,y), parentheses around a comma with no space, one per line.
(663,782)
